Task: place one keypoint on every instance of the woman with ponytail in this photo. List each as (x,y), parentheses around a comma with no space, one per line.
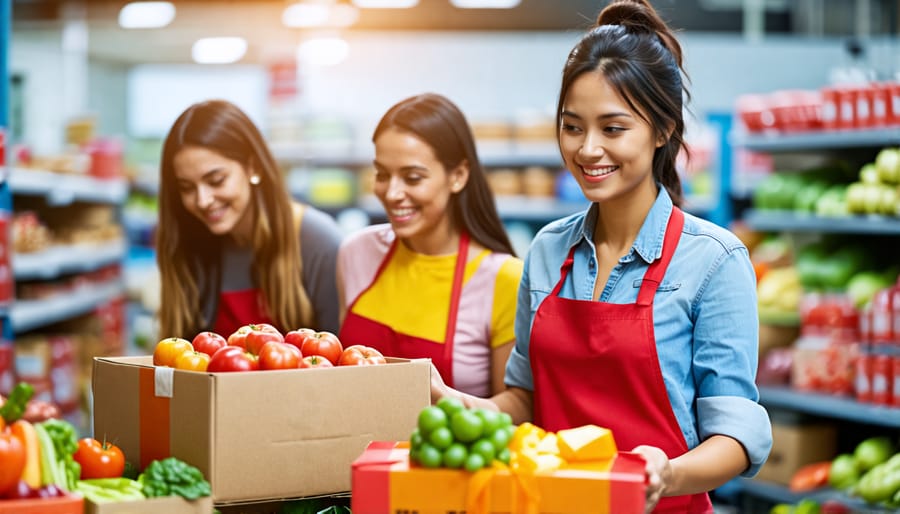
(233,247)
(634,315)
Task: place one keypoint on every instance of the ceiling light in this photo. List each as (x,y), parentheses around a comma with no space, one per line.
(146,15)
(485,4)
(319,13)
(385,4)
(323,51)
(219,50)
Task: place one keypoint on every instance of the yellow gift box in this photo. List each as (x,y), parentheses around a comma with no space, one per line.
(384,482)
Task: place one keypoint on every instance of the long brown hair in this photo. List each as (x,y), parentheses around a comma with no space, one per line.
(439,123)
(189,255)
(640,57)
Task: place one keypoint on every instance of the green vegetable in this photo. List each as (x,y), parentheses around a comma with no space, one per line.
(872,452)
(879,484)
(14,407)
(105,490)
(844,472)
(65,443)
(173,477)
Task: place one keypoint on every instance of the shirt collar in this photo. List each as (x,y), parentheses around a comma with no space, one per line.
(649,241)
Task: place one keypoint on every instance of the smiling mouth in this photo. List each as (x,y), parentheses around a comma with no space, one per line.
(599,171)
(401,213)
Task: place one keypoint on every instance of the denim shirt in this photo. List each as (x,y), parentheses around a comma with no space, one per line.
(704,312)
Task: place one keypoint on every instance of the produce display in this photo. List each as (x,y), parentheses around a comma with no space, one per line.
(260,346)
(46,459)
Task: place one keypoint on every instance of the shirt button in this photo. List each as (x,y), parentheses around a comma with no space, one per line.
(591,264)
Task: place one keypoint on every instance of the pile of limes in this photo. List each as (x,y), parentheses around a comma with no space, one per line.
(450,435)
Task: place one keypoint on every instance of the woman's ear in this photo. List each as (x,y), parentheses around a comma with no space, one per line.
(663,137)
(459,176)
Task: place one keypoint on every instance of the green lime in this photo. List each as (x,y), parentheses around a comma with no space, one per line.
(503,455)
(441,438)
(490,418)
(430,418)
(474,462)
(466,426)
(429,456)
(450,405)
(414,455)
(455,455)
(485,448)
(500,439)
(505,419)
(415,439)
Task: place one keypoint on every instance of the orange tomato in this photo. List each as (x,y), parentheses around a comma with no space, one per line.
(168,349)
(192,361)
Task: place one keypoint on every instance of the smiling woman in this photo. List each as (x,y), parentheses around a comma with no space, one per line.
(228,247)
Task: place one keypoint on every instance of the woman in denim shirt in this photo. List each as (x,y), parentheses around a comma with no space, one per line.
(634,315)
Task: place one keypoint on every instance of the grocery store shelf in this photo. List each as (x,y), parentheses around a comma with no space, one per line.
(776,221)
(492,154)
(509,207)
(830,406)
(819,140)
(63,189)
(26,315)
(57,260)
(780,494)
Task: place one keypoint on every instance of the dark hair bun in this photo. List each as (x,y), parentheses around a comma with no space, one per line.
(639,17)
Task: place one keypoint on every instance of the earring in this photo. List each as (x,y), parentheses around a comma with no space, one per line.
(254,179)
(456,186)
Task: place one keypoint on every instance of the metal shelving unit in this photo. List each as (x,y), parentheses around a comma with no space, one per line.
(820,140)
(781,221)
(829,406)
(58,260)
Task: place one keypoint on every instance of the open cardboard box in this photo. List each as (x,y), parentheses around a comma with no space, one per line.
(167,504)
(258,435)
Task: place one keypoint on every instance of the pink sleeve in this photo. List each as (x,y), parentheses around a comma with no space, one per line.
(359,258)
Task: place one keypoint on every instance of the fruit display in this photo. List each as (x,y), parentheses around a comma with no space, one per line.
(260,346)
(448,434)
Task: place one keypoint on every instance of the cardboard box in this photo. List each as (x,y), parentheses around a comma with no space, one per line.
(167,504)
(384,482)
(258,435)
(795,445)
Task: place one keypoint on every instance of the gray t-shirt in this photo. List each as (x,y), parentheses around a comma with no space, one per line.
(320,238)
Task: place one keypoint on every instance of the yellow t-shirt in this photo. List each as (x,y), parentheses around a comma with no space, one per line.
(412,296)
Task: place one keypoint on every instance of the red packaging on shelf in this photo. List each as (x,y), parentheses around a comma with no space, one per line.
(863,379)
(881,97)
(893,105)
(863,107)
(882,379)
(895,394)
(830,108)
(846,108)
(883,315)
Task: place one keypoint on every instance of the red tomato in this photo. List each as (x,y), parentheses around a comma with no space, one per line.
(359,355)
(168,349)
(192,361)
(99,460)
(278,355)
(315,361)
(208,342)
(296,337)
(239,337)
(12,460)
(232,358)
(323,343)
(261,334)
(811,476)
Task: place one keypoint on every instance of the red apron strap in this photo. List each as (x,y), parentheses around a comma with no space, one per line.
(657,269)
(564,271)
(458,276)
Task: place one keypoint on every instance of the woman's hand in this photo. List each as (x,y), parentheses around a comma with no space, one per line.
(438,388)
(659,474)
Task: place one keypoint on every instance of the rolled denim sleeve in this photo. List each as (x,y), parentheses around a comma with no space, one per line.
(741,419)
(726,348)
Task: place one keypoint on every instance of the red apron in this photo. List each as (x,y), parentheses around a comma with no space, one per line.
(238,308)
(358,329)
(596,362)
